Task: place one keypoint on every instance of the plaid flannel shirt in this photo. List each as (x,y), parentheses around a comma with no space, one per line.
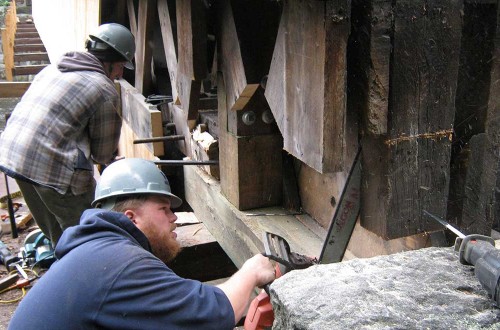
(66,121)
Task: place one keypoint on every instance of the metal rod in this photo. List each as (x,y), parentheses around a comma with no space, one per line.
(11,209)
(160,139)
(446,224)
(185,162)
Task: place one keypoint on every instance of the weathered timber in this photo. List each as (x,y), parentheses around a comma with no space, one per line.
(306,88)
(369,60)
(251,174)
(251,115)
(206,149)
(22,57)
(192,53)
(140,119)
(13,89)
(470,205)
(201,257)
(238,234)
(407,170)
(169,44)
(20,70)
(210,119)
(250,166)
(245,53)
(143,41)
(493,126)
(475,154)
(183,126)
(131,17)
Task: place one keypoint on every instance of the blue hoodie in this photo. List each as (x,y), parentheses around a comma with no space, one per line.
(107,278)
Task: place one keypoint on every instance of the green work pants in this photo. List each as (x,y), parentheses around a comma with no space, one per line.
(52,211)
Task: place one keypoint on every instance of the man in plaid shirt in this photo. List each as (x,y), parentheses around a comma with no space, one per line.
(67,121)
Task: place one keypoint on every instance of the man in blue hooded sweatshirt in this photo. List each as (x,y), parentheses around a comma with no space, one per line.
(66,122)
(110,271)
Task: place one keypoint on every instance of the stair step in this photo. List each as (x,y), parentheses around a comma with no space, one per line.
(29,48)
(27,34)
(24,57)
(27,69)
(24,41)
(25,28)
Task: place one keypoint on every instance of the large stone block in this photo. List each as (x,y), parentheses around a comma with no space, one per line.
(423,289)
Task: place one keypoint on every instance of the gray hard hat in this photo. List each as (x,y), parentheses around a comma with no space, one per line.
(116,36)
(132,176)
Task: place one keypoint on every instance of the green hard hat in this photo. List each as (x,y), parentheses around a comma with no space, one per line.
(118,38)
(132,176)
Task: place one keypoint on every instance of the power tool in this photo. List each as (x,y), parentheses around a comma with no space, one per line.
(480,252)
(37,250)
(6,257)
(260,312)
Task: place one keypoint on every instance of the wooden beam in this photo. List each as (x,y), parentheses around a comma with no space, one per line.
(169,45)
(306,88)
(13,89)
(239,234)
(407,170)
(140,120)
(201,257)
(131,17)
(144,51)
(192,54)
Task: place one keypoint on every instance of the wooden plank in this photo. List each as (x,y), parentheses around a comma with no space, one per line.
(409,171)
(21,70)
(13,89)
(169,46)
(143,119)
(131,17)
(192,38)
(143,42)
(192,53)
(239,234)
(311,51)
(31,57)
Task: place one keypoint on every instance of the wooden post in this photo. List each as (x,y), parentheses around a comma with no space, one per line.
(8,36)
(250,144)
(406,170)
(144,51)
(476,142)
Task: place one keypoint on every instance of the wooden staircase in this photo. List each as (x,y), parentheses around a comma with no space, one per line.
(30,55)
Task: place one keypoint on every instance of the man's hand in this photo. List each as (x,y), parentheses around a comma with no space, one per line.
(255,272)
(262,268)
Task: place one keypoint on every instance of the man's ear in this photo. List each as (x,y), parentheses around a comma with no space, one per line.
(131,215)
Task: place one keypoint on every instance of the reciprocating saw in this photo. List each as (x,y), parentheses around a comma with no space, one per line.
(480,252)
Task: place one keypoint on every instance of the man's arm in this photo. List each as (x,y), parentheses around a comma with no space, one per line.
(255,272)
